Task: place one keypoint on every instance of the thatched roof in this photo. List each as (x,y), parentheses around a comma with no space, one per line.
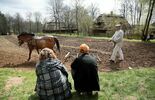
(109,21)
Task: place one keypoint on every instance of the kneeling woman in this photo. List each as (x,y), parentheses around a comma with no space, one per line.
(85,72)
(52,77)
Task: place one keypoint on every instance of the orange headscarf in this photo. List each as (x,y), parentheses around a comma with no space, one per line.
(84,48)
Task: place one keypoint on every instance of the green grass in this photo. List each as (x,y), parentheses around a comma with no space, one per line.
(21,92)
(135,84)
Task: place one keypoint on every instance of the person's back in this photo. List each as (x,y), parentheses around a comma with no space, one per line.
(85,73)
(52,82)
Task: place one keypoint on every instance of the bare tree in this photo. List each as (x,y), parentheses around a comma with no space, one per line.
(76,5)
(153,17)
(148,19)
(10,22)
(37,16)
(94,11)
(68,18)
(29,18)
(139,12)
(56,7)
(125,8)
(3,24)
(131,7)
(134,9)
(44,23)
(18,24)
(86,22)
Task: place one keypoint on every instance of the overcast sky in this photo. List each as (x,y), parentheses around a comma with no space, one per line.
(25,6)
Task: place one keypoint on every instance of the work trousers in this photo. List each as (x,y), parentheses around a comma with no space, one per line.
(117,50)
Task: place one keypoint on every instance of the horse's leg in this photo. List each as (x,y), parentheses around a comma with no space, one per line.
(36,46)
(57,43)
(30,51)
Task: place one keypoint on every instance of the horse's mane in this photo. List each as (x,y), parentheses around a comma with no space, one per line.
(26,33)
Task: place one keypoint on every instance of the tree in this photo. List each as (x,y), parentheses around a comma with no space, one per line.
(10,22)
(124,8)
(68,18)
(18,24)
(29,18)
(44,23)
(153,17)
(3,24)
(131,11)
(56,7)
(134,8)
(37,16)
(85,21)
(148,19)
(139,12)
(76,5)
(93,11)
(135,11)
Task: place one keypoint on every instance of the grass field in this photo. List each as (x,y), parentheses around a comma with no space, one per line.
(135,84)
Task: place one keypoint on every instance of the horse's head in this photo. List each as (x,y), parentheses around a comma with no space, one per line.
(24,37)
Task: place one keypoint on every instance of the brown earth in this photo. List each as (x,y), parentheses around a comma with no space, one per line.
(136,54)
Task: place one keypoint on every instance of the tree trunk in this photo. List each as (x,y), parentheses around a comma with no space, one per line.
(147,22)
(149,19)
(30,27)
(140,14)
(77,24)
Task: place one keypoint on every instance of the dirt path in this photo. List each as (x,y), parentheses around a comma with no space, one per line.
(136,54)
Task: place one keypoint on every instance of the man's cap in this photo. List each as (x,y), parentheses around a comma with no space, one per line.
(84,48)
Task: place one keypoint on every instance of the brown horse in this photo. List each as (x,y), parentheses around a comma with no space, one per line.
(38,43)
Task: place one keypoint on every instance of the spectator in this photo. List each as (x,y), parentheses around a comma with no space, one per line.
(52,77)
(85,72)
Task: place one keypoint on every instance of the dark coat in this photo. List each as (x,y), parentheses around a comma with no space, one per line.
(85,73)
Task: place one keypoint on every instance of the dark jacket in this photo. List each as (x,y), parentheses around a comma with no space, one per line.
(85,73)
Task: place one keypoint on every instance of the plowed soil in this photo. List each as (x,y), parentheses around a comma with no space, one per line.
(137,54)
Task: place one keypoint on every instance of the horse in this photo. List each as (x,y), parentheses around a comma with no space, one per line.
(36,42)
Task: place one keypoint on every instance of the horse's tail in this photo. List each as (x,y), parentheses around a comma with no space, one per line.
(57,43)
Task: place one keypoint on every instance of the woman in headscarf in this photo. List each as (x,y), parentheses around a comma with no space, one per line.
(85,72)
(52,77)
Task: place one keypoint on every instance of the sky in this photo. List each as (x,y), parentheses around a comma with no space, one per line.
(24,6)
